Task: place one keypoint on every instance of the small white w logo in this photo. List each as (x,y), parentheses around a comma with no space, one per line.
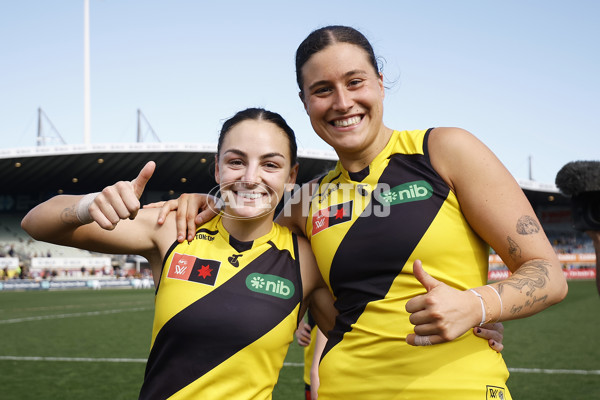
(180,269)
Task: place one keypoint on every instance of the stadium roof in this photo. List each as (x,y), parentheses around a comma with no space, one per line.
(47,170)
(82,169)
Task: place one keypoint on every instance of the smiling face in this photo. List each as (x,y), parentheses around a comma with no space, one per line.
(253,168)
(343,96)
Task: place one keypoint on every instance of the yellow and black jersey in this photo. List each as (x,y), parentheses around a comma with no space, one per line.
(225,314)
(366,230)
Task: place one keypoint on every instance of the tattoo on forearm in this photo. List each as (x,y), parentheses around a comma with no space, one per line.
(528,304)
(513,249)
(69,215)
(527,225)
(531,276)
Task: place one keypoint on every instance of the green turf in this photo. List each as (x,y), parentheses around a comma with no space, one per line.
(117,324)
(566,336)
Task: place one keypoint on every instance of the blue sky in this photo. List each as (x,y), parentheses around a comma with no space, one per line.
(523,76)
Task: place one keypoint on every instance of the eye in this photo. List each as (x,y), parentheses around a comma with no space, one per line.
(271,165)
(322,91)
(355,82)
(235,162)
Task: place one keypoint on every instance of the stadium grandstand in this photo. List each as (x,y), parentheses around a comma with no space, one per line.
(31,175)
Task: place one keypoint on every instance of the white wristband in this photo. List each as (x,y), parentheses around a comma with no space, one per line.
(499,298)
(83,208)
(483,316)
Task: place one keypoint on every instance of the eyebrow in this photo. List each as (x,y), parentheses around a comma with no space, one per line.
(346,75)
(262,157)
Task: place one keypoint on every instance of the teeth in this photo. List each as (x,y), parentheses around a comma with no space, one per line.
(248,195)
(347,122)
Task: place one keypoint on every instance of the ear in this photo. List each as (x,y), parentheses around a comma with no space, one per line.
(217,175)
(381,86)
(292,178)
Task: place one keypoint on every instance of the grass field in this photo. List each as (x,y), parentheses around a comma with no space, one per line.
(92,345)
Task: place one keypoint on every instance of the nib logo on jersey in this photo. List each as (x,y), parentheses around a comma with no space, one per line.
(271,285)
(330,216)
(406,193)
(189,268)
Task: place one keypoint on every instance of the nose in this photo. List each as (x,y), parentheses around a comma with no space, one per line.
(342,101)
(252,175)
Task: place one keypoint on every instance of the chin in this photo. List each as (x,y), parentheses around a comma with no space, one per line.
(249,212)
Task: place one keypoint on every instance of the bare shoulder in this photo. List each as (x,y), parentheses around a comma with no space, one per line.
(453,151)
(451,138)
(163,235)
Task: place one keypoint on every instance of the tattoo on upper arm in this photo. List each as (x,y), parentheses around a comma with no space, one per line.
(527,225)
(530,276)
(513,249)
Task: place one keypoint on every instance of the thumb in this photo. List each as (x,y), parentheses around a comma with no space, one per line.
(426,280)
(139,183)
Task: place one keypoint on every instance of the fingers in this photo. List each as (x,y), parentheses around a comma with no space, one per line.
(496,346)
(424,340)
(415,304)
(426,280)
(139,183)
(187,218)
(114,203)
(303,334)
(158,204)
(165,208)
(121,200)
(181,219)
(494,332)
(191,223)
(302,339)
(206,215)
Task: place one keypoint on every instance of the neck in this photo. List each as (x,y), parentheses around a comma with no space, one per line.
(357,161)
(248,229)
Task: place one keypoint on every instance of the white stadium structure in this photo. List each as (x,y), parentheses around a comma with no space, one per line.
(31,175)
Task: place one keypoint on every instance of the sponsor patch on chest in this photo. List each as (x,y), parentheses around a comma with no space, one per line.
(186,267)
(330,216)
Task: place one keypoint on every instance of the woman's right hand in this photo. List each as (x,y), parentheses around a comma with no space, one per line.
(188,217)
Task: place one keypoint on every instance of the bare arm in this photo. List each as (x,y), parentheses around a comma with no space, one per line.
(315,382)
(497,209)
(117,227)
(317,296)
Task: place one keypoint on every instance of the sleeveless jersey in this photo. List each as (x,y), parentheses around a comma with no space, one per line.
(225,314)
(366,229)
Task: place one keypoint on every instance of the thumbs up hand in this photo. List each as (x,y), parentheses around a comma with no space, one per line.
(443,313)
(121,200)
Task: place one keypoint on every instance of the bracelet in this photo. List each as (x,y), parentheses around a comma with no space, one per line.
(483,316)
(499,298)
(83,208)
